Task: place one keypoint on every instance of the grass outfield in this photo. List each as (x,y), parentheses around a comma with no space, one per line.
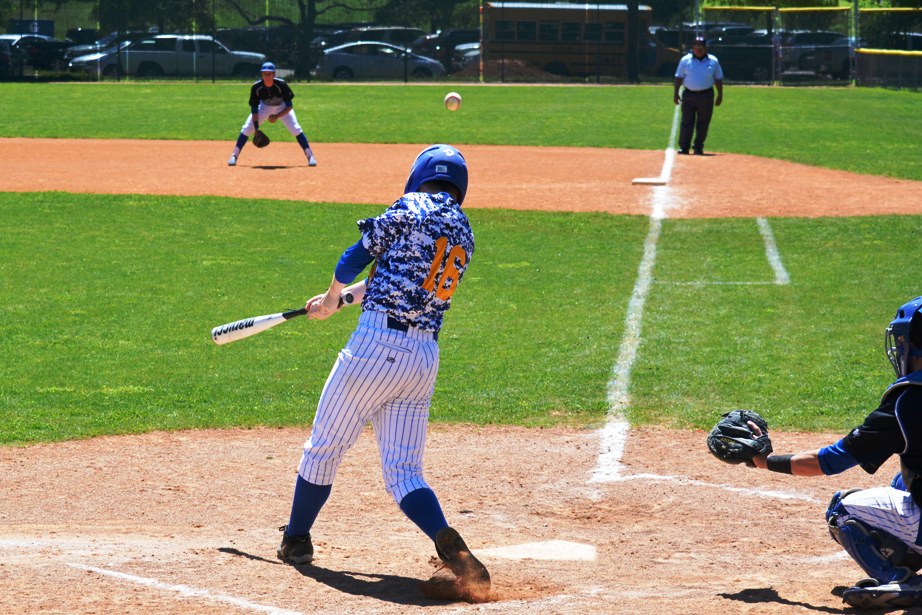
(106,302)
(855,129)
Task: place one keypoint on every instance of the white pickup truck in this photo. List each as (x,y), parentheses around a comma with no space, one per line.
(185,55)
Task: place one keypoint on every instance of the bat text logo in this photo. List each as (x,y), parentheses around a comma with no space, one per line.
(235,326)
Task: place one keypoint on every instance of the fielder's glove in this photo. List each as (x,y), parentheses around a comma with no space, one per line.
(260,139)
(732,439)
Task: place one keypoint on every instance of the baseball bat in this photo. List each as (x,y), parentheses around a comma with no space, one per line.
(247,327)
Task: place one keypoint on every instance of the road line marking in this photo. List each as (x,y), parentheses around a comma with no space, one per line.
(186,591)
(771,251)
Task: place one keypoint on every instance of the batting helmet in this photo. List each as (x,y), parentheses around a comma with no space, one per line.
(439,163)
(903,338)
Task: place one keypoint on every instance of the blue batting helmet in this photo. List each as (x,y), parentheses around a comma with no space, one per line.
(439,163)
(903,338)
(268,67)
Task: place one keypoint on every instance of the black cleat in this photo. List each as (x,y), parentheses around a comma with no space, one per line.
(458,558)
(295,549)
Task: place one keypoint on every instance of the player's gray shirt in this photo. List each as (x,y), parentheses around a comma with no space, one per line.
(422,245)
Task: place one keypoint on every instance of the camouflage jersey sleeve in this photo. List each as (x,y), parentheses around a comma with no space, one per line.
(422,245)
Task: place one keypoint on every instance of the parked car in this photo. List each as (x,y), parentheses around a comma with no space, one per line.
(464,55)
(373,60)
(110,41)
(441,45)
(81,36)
(100,64)
(903,41)
(182,55)
(797,46)
(746,61)
(834,59)
(10,61)
(395,35)
(38,50)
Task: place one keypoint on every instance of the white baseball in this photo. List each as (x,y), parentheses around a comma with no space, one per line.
(452,101)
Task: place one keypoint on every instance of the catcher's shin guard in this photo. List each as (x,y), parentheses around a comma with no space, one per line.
(879,554)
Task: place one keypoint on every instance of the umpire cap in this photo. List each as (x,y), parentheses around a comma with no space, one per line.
(439,163)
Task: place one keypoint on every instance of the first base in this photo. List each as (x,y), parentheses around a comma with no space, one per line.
(649,181)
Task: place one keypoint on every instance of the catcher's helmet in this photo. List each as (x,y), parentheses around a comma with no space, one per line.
(439,163)
(903,338)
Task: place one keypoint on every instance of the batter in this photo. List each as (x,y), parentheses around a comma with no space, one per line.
(270,99)
(421,246)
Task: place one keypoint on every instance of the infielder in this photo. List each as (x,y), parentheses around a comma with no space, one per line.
(270,99)
(879,528)
(421,246)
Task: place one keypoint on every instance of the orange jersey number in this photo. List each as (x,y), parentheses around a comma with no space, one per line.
(448,263)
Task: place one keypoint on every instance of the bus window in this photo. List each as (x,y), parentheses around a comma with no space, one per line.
(593,32)
(570,32)
(525,31)
(505,30)
(549,31)
(614,33)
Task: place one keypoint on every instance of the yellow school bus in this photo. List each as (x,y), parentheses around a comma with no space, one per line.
(571,38)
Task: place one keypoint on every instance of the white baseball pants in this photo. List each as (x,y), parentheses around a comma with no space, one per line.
(290,120)
(384,376)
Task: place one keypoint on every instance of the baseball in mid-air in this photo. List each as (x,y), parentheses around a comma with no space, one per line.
(452,101)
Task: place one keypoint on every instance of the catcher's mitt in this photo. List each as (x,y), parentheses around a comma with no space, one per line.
(261,139)
(732,439)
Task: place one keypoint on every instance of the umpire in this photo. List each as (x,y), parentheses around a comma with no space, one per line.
(699,72)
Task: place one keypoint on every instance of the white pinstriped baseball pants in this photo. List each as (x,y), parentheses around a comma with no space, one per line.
(386,377)
(888,509)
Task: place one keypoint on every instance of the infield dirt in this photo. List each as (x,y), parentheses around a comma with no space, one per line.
(187,522)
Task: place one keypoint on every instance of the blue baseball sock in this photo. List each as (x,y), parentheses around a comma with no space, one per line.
(305,506)
(241,141)
(423,509)
(302,141)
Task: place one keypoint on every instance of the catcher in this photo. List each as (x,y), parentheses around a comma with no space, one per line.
(879,528)
(270,99)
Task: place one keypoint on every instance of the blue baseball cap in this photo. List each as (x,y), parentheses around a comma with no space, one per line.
(268,67)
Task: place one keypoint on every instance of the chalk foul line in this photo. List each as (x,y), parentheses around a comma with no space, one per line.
(186,591)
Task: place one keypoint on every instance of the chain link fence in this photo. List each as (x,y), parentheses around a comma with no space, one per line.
(463,40)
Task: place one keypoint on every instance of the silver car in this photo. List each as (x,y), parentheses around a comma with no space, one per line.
(371,60)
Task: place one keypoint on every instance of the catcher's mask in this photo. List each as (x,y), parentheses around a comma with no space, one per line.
(439,162)
(903,338)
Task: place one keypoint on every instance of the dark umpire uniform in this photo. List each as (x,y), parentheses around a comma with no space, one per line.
(699,72)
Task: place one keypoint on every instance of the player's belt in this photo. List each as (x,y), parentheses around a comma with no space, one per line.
(396,325)
(699,91)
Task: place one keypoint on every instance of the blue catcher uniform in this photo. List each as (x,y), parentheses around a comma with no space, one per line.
(270,99)
(880,528)
(421,246)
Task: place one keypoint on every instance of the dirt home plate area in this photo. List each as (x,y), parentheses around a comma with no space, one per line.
(187,522)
